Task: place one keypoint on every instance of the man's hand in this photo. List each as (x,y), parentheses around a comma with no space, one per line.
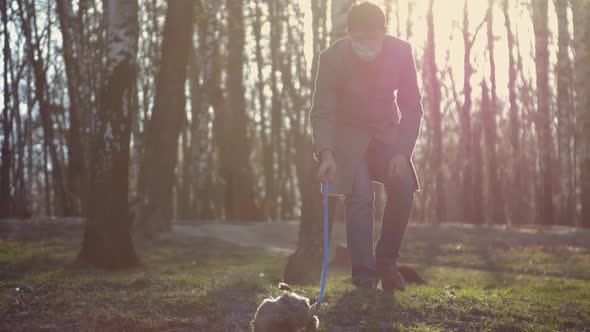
(327,167)
(399,165)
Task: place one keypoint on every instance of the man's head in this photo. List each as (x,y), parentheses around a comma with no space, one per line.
(365,24)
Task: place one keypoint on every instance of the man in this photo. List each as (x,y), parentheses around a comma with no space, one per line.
(359,138)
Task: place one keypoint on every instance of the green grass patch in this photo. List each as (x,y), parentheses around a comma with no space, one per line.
(208,285)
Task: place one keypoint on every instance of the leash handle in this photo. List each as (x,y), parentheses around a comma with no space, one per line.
(326,241)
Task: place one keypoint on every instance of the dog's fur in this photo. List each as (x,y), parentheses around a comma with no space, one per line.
(289,312)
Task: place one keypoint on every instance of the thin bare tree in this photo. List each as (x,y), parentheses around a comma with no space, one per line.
(581,16)
(434,100)
(491,129)
(167,118)
(543,118)
(564,116)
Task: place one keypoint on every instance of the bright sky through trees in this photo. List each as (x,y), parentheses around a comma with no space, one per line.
(448,21)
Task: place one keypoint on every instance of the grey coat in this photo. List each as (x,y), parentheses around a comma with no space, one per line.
(351,106)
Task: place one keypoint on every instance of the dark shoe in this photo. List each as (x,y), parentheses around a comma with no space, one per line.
(367,284)
(391,278)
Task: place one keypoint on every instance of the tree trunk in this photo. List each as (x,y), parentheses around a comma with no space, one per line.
(497,202)
(240,196)
(267,160)
(107,239)
(305,264)
(168,116)
(564,111)
(465,120)
(78,105)
(393,6)
(35,57)
(204,55)
(319,18)
(273,146)
(543,120)
(517,204)
(410,21)
(434,100)
(581,11)
(184,176)
(22,202)
(5,199)
(338,15)
(478,206)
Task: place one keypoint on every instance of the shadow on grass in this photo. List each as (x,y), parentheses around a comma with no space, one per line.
(494,249)
(418,308)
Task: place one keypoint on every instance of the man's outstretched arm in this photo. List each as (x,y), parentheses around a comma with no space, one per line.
(409,101)
(322,107)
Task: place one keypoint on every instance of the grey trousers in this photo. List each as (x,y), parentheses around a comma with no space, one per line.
(359,208)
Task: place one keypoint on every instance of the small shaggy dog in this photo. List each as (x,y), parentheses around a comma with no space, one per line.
(289,312)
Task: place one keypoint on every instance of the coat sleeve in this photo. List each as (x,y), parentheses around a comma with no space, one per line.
(409,101)
(322,106)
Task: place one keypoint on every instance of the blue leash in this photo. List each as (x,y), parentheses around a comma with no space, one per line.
(326,241)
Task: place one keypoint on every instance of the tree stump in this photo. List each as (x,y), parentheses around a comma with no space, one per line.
(305,264)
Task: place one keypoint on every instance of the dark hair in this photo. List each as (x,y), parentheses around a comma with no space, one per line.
(365,17)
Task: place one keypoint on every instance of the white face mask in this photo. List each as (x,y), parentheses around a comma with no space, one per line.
(365,53)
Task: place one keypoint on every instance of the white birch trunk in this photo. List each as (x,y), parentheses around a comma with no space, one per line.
(107,241)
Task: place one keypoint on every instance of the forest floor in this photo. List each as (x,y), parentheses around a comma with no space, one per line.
(198,278)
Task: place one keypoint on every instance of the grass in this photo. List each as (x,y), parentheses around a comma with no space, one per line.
(203,284)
